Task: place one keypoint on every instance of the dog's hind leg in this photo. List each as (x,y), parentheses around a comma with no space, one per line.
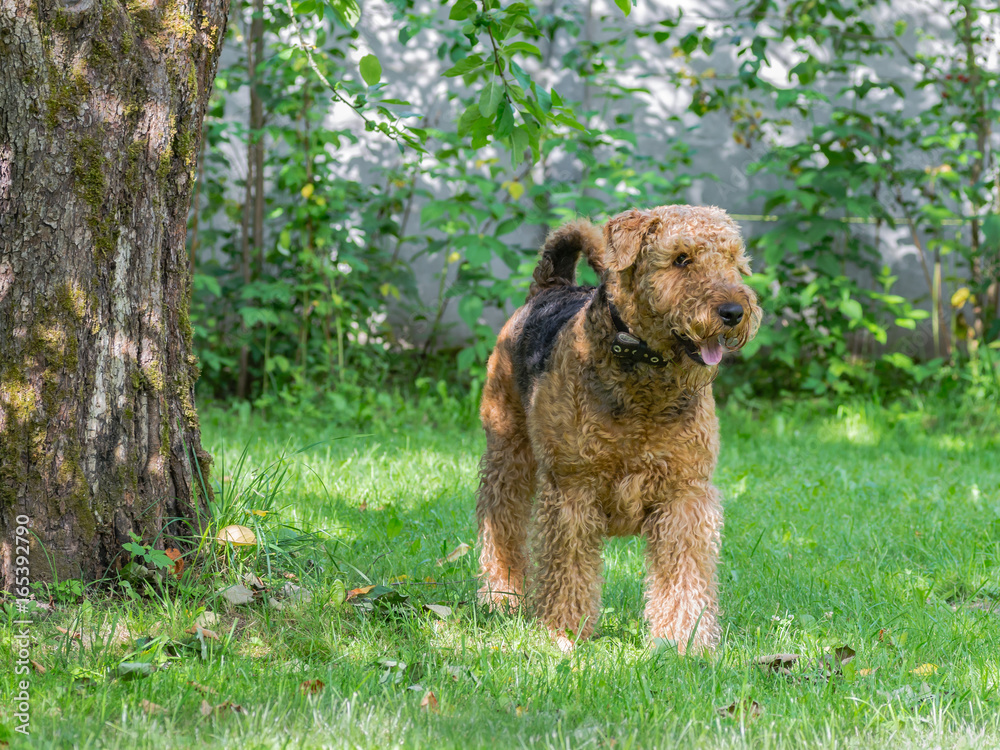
(503,508)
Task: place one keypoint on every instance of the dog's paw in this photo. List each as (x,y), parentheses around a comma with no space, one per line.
(563,642)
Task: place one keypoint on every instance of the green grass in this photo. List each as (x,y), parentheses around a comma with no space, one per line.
(862,528)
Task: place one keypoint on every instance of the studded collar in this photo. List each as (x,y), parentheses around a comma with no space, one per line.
(628,347)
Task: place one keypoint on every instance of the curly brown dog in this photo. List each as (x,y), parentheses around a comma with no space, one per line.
(601,401)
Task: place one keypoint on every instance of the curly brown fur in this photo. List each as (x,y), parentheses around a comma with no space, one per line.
(561,251)
(613,447)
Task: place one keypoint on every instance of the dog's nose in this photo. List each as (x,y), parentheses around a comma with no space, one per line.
(731,313)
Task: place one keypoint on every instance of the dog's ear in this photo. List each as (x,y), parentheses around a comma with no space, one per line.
(623,237)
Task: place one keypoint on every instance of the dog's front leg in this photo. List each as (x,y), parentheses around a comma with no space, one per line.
(569,529)
(683,538)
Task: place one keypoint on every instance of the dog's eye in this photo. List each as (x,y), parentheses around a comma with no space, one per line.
(682,260)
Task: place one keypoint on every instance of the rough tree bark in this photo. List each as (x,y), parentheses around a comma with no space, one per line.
(101,106)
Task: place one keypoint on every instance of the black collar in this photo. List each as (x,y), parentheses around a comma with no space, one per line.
(628,347)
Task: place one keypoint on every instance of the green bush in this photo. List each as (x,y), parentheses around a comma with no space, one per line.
(297,275)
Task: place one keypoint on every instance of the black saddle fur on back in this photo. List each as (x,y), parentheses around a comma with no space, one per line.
(547,314)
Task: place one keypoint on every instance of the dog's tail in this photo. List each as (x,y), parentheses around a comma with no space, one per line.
(557,261)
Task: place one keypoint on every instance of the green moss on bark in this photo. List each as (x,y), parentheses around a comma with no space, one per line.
(89,167)
(165,432)
(113,40)
(146,19)
(66,94)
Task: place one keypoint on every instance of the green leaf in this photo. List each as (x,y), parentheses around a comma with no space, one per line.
(470,307)
(489,100)
(520,76)
(393,527)
(544,100)
(519,143)
(130,670)
(159,558)
(506,124)
(478,254)
(528,49)
(786,97)
(433,210)
(466,357)
(625,6)
(338,592)
(991,230)
(851,309)
(462,10)
(348,11)
(371,69)
(464,65)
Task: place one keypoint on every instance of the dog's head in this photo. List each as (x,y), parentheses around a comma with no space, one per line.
(676,275)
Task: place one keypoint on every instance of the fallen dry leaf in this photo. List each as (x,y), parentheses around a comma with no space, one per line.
(865,671)
(459,551)
(207,619)
(843,655)
(429,701)
(238,536)
(175,555)
(311,687)
(925,670)
(208,709)
(197,629)
(237,594)
(750,709)
(151,708)
(781,663)
(291,576)
(439,609)
(295,594)
(357,592)
(76,635)
(38,667)
(201,688)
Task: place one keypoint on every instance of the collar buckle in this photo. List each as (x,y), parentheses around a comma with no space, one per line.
(629,347)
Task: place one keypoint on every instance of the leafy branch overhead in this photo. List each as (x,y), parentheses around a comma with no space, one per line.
(511,109)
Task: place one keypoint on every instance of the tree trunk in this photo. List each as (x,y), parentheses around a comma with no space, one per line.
(101,107)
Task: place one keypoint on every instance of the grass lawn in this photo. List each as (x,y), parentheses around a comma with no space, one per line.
(860,529)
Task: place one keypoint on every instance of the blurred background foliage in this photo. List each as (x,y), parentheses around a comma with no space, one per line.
(305,295)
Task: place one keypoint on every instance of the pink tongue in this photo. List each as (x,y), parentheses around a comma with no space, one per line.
(712,353)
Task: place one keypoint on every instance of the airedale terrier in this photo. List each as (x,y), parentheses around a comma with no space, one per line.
(601,400)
